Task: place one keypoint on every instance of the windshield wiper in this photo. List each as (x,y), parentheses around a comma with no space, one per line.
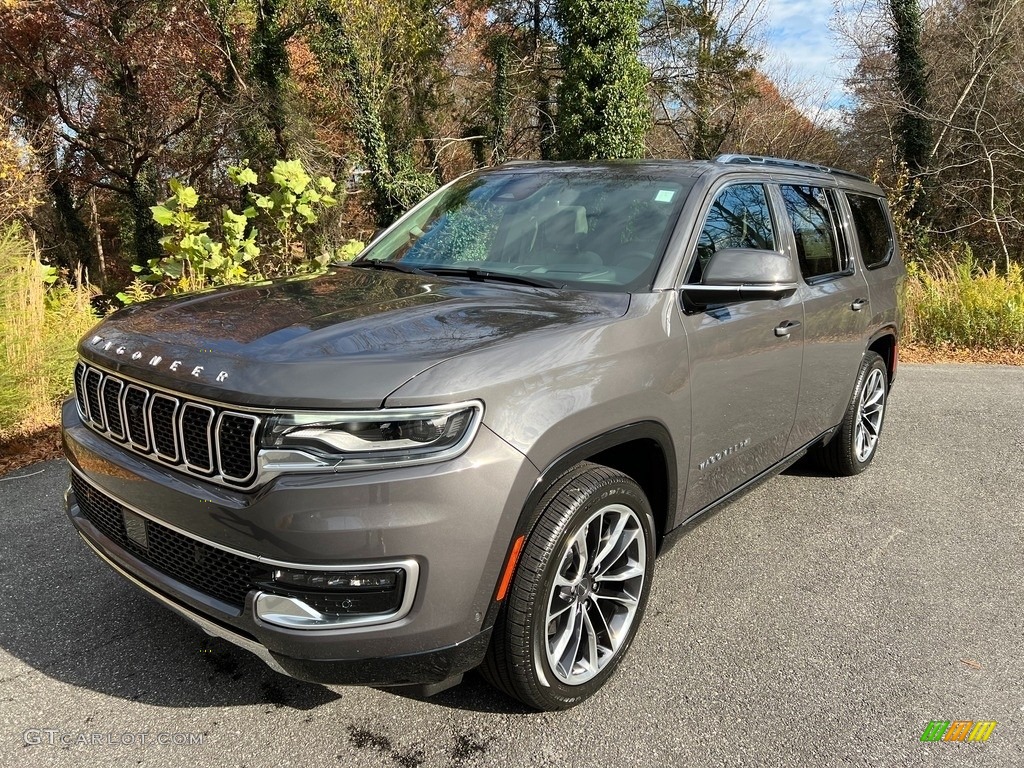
(394,266)
(473,273)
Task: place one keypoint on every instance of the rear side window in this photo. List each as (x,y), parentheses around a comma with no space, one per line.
(873,231)
(812,213)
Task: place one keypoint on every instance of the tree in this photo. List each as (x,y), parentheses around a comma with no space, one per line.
(517,39)
(380,54)
(603,111)
(966,139)
(976,62)
(110,94)
(911,81)
(771,123)
(703,67)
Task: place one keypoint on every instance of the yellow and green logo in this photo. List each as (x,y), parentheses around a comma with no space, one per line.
(958,730)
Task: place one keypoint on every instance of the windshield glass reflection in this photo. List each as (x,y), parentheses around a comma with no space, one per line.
(597,230)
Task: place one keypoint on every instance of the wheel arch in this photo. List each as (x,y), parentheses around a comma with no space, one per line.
(643,450)
(884,343)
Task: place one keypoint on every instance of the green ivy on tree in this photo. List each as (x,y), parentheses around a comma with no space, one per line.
(603,111)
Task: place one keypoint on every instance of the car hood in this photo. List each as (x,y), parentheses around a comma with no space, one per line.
(348,337)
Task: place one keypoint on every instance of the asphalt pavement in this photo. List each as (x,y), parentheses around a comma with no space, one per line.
(814,622)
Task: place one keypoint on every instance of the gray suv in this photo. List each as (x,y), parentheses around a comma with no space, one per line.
(467,447)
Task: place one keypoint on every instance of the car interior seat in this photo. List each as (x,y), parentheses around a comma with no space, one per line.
(561,238)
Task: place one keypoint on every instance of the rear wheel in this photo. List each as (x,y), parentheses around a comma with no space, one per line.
(853,446)
(579,591)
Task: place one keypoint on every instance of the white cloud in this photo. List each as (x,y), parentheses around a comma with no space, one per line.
(802,46)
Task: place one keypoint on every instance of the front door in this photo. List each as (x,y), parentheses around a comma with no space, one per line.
(745,359)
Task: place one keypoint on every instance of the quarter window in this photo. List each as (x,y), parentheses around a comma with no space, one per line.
(873,231)
(739,218)
(812,213)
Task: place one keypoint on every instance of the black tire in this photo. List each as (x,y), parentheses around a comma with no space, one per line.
(843,456)
(586,496)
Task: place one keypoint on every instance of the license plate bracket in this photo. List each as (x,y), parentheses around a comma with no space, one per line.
(135,527)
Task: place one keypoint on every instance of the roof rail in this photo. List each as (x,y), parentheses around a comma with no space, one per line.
(784,163)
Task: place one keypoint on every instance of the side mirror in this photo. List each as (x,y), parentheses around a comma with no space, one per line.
(743,274)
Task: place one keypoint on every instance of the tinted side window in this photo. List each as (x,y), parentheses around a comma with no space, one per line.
(814,228)
(739,218)
(873,231)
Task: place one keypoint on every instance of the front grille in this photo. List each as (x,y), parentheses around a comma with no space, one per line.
(165,434)
(233,438)
(112,389)
(134,405)
(223,575)
(208,441)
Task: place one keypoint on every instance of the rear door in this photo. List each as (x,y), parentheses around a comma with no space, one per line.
(744,358)
(835,300)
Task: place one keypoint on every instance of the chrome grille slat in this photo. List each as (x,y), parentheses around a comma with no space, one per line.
(136,400)
(110,394)
(162,412)
(93,378)
(235,431)
(83,405)
(206,440)
(195,423)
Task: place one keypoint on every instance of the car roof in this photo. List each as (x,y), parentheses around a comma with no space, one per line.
(721,165)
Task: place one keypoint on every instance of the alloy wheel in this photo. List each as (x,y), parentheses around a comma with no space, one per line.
(870,411)
(595,594)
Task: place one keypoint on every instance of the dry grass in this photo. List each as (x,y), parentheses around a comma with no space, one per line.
(963,312)
(917,353)
(41,320)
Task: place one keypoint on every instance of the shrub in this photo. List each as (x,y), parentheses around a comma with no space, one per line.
(42,318)
(293,202)
(965,306)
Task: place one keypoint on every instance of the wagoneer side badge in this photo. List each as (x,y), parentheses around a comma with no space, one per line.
(724,453)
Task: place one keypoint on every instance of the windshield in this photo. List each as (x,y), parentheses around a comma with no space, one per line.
(600,230)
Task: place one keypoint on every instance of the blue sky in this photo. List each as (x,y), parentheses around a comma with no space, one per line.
(800,33)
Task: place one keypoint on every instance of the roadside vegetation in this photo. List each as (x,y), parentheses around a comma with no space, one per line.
(42,315)
(148,148)
(965,306)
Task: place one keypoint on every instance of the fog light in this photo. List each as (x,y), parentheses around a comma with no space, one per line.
(343,580)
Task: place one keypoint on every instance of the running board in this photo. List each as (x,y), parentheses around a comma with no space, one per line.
(672,537)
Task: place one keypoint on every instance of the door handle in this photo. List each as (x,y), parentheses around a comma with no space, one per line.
(786,328)
(859,304)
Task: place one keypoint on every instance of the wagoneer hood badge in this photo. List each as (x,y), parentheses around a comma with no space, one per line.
(156,361)
(347,337)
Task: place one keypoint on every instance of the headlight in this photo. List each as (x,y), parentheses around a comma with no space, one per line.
(356,439)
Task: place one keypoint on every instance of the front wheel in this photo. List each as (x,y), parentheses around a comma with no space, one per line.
(579,591)
(853,446)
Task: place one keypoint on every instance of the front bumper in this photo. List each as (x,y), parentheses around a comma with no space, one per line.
(453,521)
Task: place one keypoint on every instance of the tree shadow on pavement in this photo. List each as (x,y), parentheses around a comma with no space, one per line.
(70,617)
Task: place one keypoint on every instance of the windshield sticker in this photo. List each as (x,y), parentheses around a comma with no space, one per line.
(664,196)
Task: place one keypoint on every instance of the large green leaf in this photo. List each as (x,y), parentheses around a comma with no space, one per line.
(162,215)
(242,175)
